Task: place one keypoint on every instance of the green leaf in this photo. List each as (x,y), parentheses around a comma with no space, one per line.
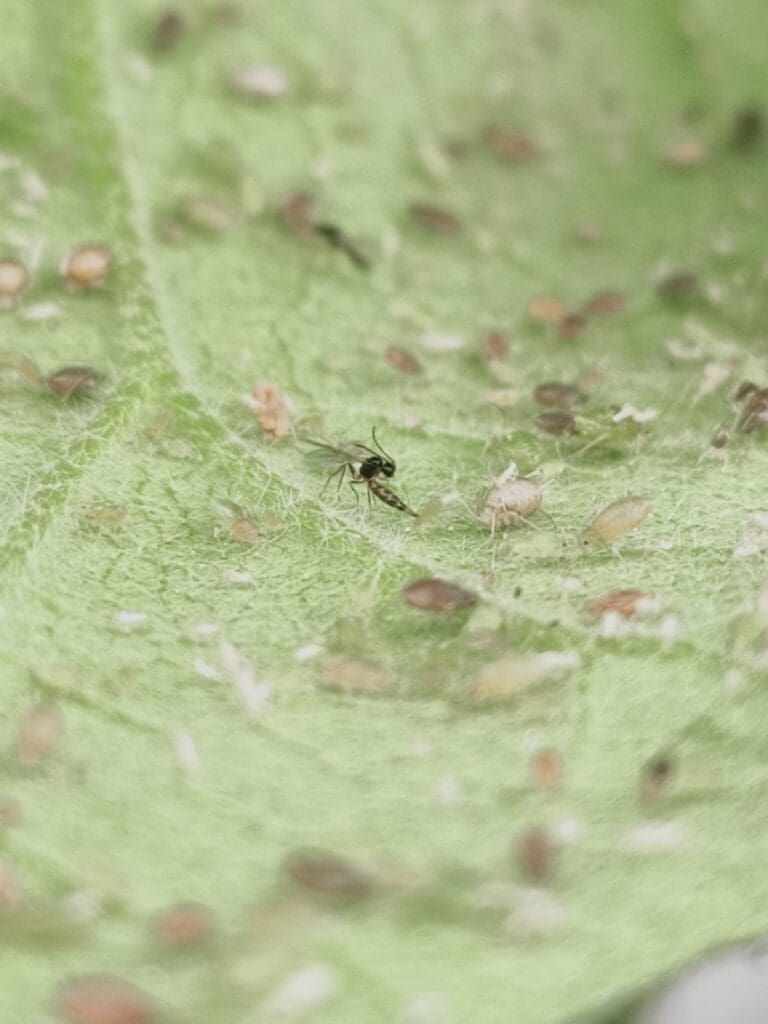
(163,559)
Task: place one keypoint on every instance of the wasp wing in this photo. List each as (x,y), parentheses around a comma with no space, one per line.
(329,457)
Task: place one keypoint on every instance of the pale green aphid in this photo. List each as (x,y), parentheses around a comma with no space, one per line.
(616,520)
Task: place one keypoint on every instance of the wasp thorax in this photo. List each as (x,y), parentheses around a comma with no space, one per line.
(509,500)
(87,266)
(13,280)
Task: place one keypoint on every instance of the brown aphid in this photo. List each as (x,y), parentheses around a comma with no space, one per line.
(509,144)
(554,393)
(616,520)
(184,925)
(685,153)
(104,999)
(545,309)
(86,267)
(535,853)
(14,279)
(168,30)
(754,414)
(403,361)
(605,304)
(26,368)
(298,211)
(438,596)
(495,346)
(572,325)
(244,529)
(73,380)
(356,675)
(748,127)
(10,812)
(626,603)
(720,438)
(655,779)
(557,422)
(683,284)
(39,734)
(546,769)
(510,500)
(272,408)
(328,874)
(435,218)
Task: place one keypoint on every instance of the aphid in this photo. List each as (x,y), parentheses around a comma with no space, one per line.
(553,393)
(72,380)
(535,853)
(604,304)
(561,424)
(546,310)
(364,466)
(263,82)
(403,361)
(655,779)
(168,30)
(512,675)
(685,153)
(86,267)
(272,408)
(616,520)
(24,366)
(104,999)
(14,278)
(626,603)
(440,596)
(10,812)
(683,284)
(546,769)
(435,218)
(356,675)
(510,144)
(509,500)
(341,241)
(748,127)
(495,346)
(754,414)
(10,887)
(184,925)
(297,210)
(39,734)
(328,874)
(209,214)
(573,325)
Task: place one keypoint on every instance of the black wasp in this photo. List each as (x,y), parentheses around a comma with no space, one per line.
(364,466)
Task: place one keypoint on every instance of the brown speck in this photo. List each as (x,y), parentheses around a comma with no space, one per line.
(748,127)
(272,409)
(435,218)
(244,529)
(328,874)
(535,853)
(13,281)
(435,595)
(39,733)
(553,393)
(86,267)
(260,82)
(605,304)
(72,380)
(573,325)
(495,346)
(10,812)
(104,999)
(685,153)
(626,603)
(401,360)
(655,779)
(545,309)
(184,925)
(588,232)
(168,30)
(105,514)
(681,285)
(509,144)
(10,887)
(754,415)
(297,210)
(561,424)
(510,500)
(616,520)
(546,769)
(720,438)
(356,675)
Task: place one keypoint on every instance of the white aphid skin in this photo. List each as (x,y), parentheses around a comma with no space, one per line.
(616,520)
(510,500)
(13,281)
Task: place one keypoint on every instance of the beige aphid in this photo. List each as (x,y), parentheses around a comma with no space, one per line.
(509,500)
(13,280)
(616,520)
(86,267)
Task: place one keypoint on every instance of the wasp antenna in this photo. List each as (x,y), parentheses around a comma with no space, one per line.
(376,442)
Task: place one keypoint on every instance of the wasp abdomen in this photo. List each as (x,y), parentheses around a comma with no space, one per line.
(384,494)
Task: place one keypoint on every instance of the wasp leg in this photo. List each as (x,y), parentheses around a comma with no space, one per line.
(338,472)
(354,483)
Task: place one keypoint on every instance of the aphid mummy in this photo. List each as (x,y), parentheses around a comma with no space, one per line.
(87,266)
(509,500)
(616,520)
(13,280)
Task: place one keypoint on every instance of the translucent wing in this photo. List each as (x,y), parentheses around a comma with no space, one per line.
(328,457)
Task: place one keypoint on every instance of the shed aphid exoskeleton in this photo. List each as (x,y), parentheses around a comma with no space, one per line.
(364,465)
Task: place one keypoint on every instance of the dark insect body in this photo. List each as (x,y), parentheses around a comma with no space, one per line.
(364,466)
(341,241)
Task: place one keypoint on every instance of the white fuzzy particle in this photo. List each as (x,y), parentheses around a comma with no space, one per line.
(32,185)
(139,68)
(308,651)
(206,629)
(239,579)
(301,993)
(254,694)
(205,670)
(186,751)
(629,412)
(655,837)
(42,311)
(131,620)
(436,341)
(426,1008)
(449,791)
